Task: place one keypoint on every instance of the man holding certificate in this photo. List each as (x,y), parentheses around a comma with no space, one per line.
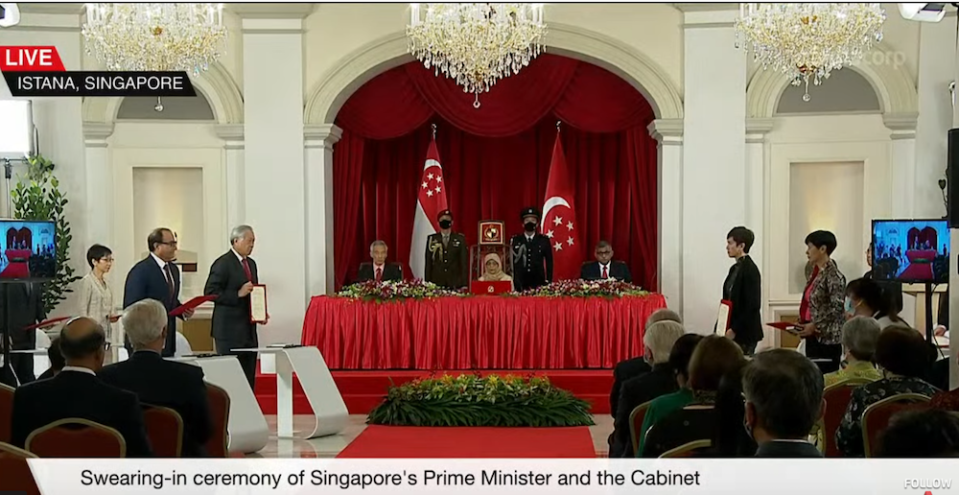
(240,301)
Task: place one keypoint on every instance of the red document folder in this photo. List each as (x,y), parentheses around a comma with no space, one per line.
(786,326)
(191,304)
(47,323)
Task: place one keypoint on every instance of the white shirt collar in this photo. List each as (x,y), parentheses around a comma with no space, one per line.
(79,370)
(158,260)
(601,264)
(237,255)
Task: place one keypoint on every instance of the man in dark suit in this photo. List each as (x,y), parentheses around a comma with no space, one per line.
(447,256)
(604,267)
(532,254)
(76,392)
(159,382)
(633,367)
(157,277)
(26,308)
(231,279)
(379,269)
(783,391)
(891,289)
(743,289)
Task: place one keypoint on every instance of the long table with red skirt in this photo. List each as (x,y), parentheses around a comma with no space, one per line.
(482,332)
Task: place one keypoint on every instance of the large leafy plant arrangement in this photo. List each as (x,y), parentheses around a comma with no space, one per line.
(473,400)
(37,197)
(391,291)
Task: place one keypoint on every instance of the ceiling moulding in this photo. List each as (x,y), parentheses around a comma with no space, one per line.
(705,7)
(51,8)
(271,10)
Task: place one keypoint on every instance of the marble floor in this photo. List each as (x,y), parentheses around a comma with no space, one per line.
(333,445)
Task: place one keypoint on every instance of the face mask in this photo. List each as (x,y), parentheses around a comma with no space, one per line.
(530,226)
(849,308)
(445,224)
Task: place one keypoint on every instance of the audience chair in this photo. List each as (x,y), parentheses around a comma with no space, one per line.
(688,449)
(16,472)
(876,417)
(76,438)
(636,424)
(837,398)
(6,411)
(164,429)
(692,423)
(217,445)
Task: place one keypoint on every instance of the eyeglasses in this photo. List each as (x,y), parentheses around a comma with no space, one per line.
(170,243)
(106,260)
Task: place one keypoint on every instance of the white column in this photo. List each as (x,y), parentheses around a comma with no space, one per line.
(953,265)
(714,159)
(100,186)
(319,141)
(669,135)
(937,43)
(234,183)
(903,157)
(756,201)
(273,169)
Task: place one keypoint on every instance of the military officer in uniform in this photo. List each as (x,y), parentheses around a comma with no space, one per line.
(532,254)
(447,257)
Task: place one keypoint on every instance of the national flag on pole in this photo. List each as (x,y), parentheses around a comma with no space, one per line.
(559,218)
(430,201)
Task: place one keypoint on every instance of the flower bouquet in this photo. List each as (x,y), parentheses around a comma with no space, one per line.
(474,400)
(392,291)
(587,288)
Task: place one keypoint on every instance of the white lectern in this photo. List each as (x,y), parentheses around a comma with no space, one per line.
(247,428)
(329,410)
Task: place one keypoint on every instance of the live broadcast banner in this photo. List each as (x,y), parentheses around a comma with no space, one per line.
(499,476)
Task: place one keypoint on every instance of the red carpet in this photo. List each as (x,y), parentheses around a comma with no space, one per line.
(363,390)
(411,442)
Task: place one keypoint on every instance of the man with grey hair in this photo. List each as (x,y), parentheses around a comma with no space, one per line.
(231,280)
(636,366)
(859,337)
(159,382)
(379,270)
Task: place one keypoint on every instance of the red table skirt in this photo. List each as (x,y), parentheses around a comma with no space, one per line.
(478,332)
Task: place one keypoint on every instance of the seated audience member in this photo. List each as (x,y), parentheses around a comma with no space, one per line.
(946,400)
(729,438)
(713,357)
(903,357)
(859,337)
(604,267)
(783,391)
(658,343)
(493,269)
(76,392)
(921,434)
(159,382)
(636,366)
(865,298)
(56,360)
(379,269)
(890,288)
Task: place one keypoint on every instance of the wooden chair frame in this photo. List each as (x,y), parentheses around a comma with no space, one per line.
(78,421)
(633,434)
(907,398)
(687,447)
(226,420)
(10,449)
(820,425)
(179,421)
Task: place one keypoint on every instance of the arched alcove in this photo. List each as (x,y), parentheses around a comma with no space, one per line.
(174,108)
(846,91)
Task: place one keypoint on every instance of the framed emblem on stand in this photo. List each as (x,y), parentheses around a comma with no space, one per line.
(492,239)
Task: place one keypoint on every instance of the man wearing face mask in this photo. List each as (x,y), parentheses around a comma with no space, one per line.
(532,254)
(446,255)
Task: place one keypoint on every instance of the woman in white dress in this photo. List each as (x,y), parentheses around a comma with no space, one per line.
(96,296)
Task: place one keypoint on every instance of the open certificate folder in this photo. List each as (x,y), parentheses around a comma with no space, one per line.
(723,317)
(258,310)
(191,304)
(786,326)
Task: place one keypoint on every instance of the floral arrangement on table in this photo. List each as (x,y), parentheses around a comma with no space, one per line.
(392,291)
(609,288)
(473,400)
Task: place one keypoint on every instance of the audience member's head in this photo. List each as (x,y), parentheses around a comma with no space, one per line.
(820,245)
(378,252)
(83,343)
(659,340)
(863,297)
(663,314)
(55,356)
(145,325)
(738,242)
(859,337)
(681,354)
(900,350)
(714,357)
(783,391)
(927,433)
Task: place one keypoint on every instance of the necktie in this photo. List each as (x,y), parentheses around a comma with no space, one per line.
(446,240)
(169,281)
(246,268)
(379,274)
(605,274)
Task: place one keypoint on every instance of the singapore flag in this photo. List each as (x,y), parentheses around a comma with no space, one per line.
(559,218)
(430,201)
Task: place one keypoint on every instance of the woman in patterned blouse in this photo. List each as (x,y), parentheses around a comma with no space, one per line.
(903,356)
(821,311)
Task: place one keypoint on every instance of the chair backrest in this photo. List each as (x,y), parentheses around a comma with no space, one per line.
(688,449)
(76,437)
(164,429)
(689,424)
(837,398)
(6,411)
(876,417)
(217,445)
(17,476)
(636,423)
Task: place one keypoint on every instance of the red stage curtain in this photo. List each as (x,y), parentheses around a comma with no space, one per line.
(496,158)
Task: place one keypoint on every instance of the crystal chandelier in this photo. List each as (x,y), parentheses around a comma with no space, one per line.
(155,36)
(476,44)
(806,41)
